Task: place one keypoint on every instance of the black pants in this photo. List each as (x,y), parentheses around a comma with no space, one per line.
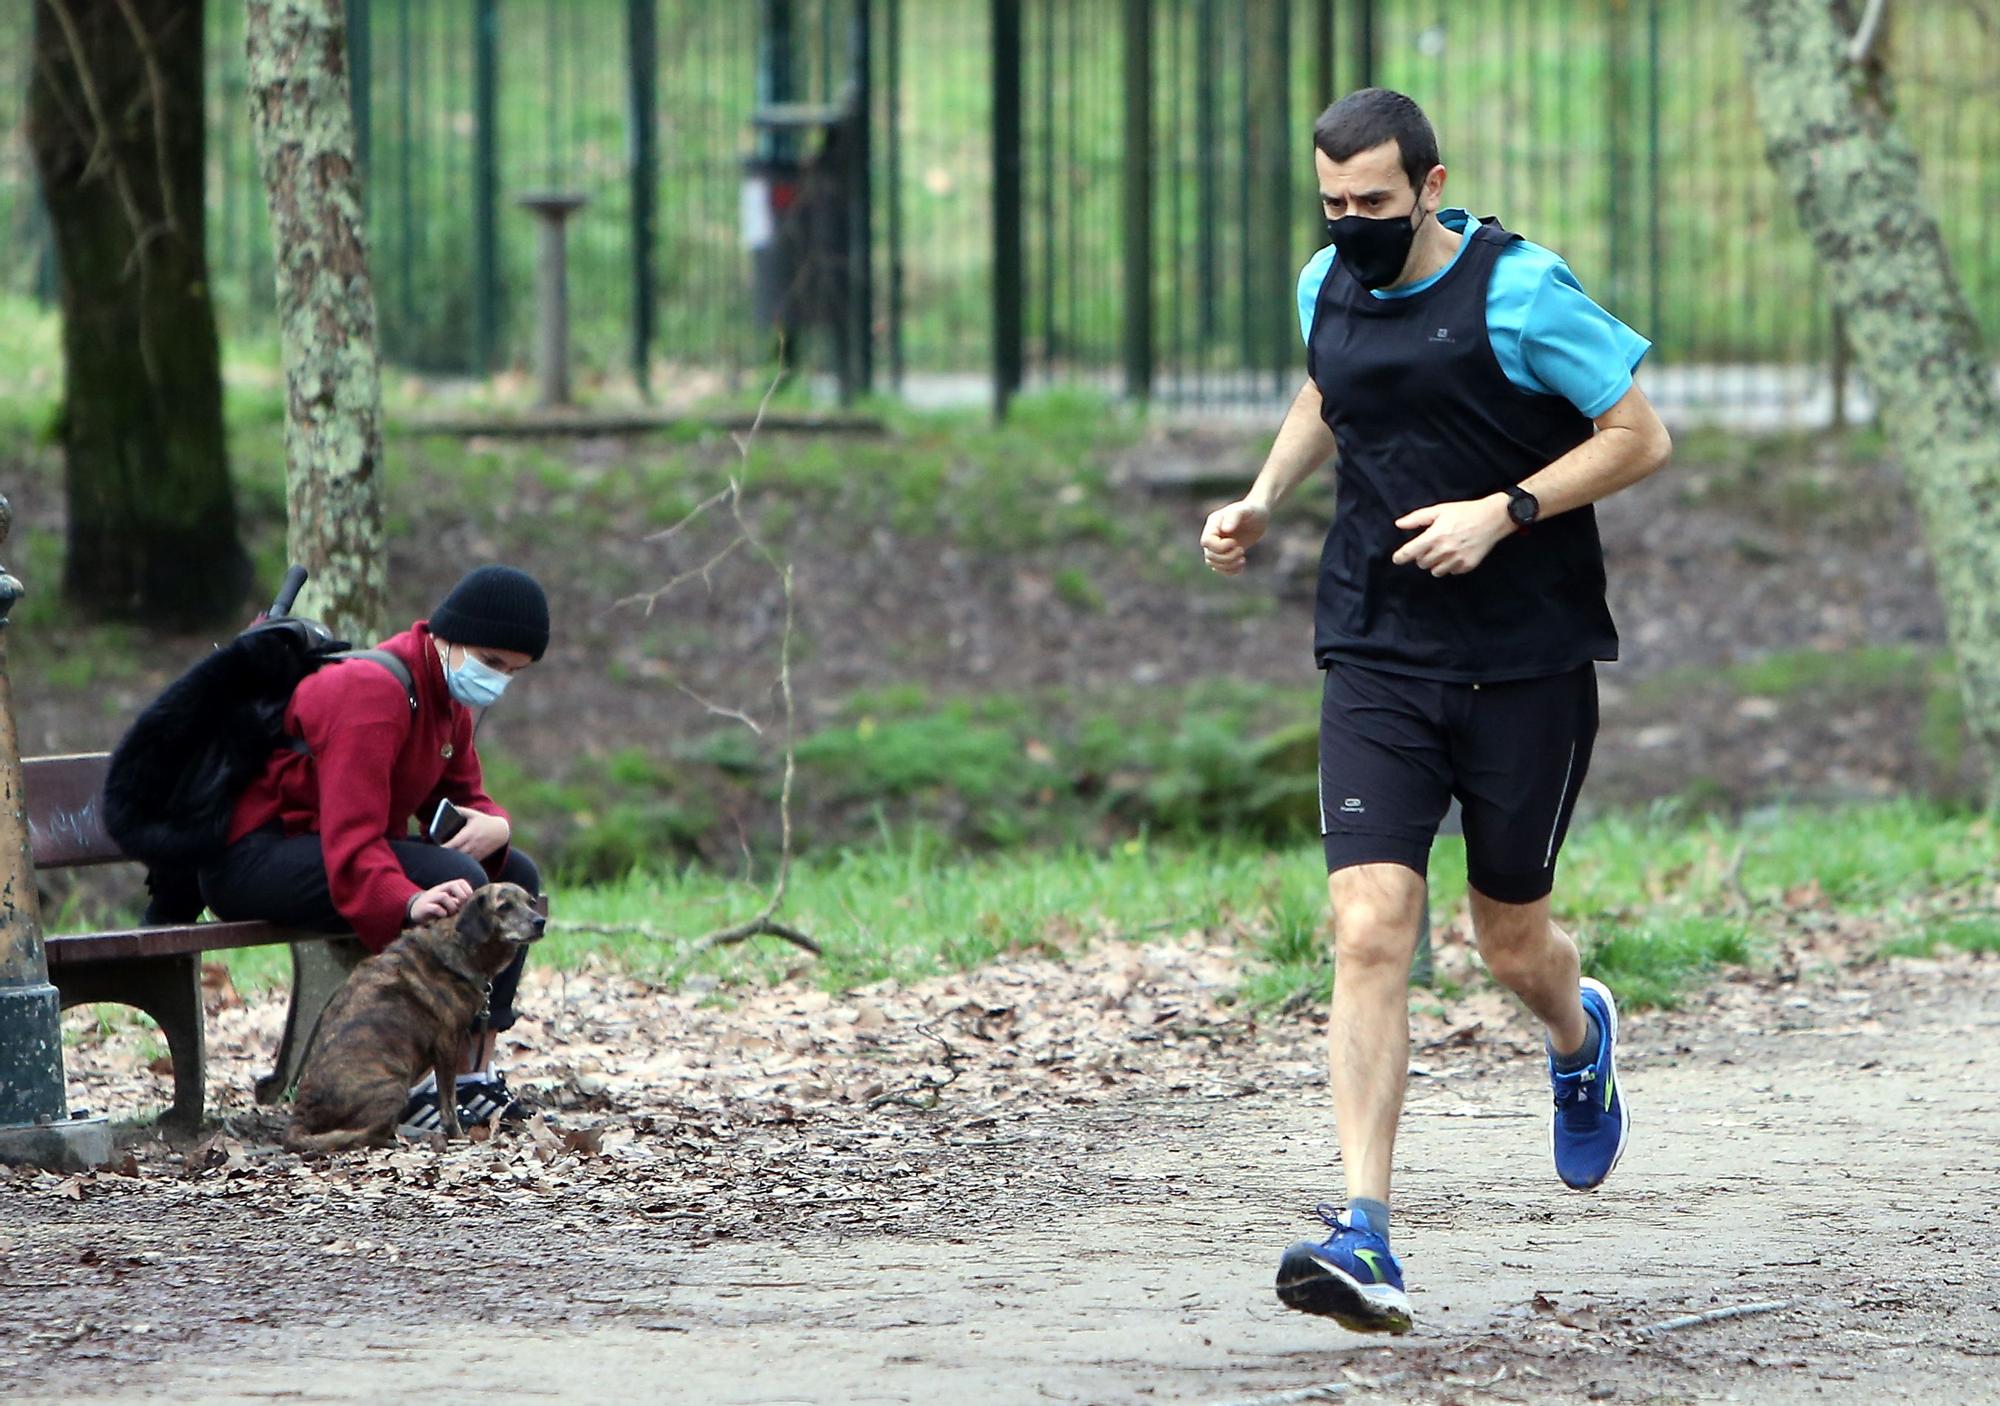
(279,878)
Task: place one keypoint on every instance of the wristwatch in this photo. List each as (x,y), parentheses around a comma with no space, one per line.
(1522,506)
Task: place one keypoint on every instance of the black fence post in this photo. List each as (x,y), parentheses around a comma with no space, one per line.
(1654,326)
(642,48)
(361,85)
(1282,220)
(1208,172)
(858,372)
(1138,182)
(775,77)
(1009,341)
(1618,169)
(485,183)
(1323,55)
(1365,43)
(893,121)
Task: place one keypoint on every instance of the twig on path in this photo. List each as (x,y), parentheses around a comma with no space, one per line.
(1326,1391)
(1714,1315)
(725,938)
(923,1095)
(763,925)
(1732,883)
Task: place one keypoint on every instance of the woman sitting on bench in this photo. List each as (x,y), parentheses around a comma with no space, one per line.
(321,839)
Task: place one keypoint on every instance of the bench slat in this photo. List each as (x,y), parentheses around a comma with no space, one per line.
(67,949)
(74,948)
(66,811)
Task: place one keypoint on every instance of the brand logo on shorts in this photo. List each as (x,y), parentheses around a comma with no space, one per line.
(1352,806)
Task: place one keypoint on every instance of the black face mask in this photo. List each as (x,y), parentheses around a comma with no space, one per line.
(1374,251)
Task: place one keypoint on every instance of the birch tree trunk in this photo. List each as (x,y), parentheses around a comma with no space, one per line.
(299,106)
(115,120)
(1830,132)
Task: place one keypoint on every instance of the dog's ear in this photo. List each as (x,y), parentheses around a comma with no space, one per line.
(475,919)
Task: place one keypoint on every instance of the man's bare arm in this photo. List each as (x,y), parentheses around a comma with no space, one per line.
(1630,443)
(1303,444)
(1453,538)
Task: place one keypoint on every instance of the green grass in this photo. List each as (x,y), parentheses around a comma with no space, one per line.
(1977,936)
(1659,902)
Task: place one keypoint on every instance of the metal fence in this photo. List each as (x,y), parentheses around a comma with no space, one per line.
(1110,192)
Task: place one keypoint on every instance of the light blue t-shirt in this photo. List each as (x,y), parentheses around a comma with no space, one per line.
(1549,337)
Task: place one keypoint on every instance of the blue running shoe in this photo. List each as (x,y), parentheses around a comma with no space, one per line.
(1349,1277)
(1587,1131)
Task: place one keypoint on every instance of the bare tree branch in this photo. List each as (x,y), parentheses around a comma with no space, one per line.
(649,599)
(103,154)
(765,921)
(156,86)
(1865,36)
(725,938)
(720,711)
(694,514)
(923,1094)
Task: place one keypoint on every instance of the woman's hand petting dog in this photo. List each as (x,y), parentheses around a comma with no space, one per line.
(439,902)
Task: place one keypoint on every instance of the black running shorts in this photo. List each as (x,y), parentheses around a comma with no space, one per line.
(1394,750)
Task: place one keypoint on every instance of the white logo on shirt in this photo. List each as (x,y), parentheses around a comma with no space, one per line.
(1443,334)
(1352,805)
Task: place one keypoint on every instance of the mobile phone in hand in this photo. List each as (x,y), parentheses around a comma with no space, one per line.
(448,821)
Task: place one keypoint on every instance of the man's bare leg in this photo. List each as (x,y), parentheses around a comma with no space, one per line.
(1377,913)
(1351,1277)
(1536,960)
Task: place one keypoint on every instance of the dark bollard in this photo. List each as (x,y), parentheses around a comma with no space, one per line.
(552,211)
(35,1125)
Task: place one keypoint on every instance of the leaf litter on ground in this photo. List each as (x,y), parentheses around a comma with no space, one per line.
(723,1111)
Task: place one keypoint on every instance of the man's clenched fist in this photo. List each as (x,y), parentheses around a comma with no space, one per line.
(1231,532)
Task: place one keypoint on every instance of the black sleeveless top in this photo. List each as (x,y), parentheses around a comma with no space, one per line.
(1422,414)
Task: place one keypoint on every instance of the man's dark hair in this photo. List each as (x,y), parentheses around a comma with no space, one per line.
(1368,117)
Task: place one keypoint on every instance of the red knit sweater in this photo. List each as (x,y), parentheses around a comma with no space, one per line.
(373,766)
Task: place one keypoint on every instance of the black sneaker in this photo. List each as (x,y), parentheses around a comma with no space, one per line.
(480,1098)
(420,1115)
(483,1097)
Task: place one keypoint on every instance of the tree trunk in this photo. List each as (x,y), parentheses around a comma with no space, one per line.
(115,120)
(1830,133)
(326,308)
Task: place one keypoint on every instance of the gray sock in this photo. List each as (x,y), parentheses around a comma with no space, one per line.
(1370,1214)
(1586,1053)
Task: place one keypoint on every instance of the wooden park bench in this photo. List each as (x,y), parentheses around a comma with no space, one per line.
(158,970)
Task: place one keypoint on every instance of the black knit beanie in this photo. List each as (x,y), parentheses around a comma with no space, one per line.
(497,607)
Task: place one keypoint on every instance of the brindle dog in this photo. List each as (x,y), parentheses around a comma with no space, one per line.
(403,1011)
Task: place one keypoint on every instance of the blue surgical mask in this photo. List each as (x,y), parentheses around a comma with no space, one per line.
(474,684)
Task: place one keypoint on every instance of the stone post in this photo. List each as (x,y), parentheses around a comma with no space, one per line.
(35,1125)
(552,210)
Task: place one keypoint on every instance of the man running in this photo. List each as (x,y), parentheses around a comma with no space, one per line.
(1480,403)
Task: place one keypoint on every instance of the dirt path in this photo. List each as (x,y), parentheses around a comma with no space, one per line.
(1827,1140)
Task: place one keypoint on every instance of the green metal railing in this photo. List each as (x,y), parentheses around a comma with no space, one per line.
(1112,192)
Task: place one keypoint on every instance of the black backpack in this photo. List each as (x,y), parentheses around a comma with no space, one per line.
(175,775)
